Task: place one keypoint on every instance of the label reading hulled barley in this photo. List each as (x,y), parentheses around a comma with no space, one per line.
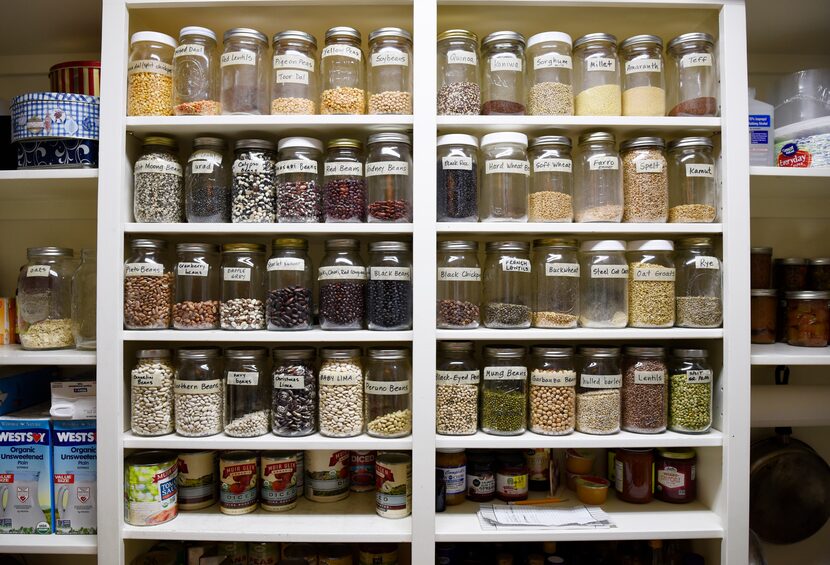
(387,168)
(552,61)
(286,264)
(161,166)
(342,51)
(461,57)
(553,378)
(507,166)
(609,271)
(649,377)
(243,378)
(292,166)
(700,170)
(345,169)
(150,66)
(249,166)
(38,270)
(600,381)
(197,387)
(653,274)
(293,61)
(514,265)
(192,269)
(189,49)
(472,274)
(562,270)
(600,163)
(387,387)
(143,270)
(707,262)
(291,76)
(344,272)
(457,163)
(552,165)
(696,60)
(504,373)
(508,63)
(606,64)
(237,58)
(291,382)
(648,166)
(701,376)
(643,66)
(236,273)
(389,274)
(457,377)
(391,57)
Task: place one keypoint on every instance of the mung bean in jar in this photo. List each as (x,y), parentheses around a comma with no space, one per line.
(299,194)
(693,75)
(697,284)
(504,186)
(207,191)
(196,73)
(459,92)
(247,388)
(289,304)
(645,180)
(253,192)
(599,178)
(643,83)
(692,184)
(158,182)
(457,169)
(244,65)
(151,393)
(503,88)
(197,287)
(651,283)
(344,191)
(556,273)
(390,71)
(294,87)
(150,74)
(242,304)
(341,392)
(341,69)
(549,74)
(504,390)
(596,76)
(644,390)
(388,392)
(508,283)
(552,390)
(459,284)
(690,391)
(389,294)
(603,284)
(148,286)
(342,281)
(551,180)
(44,299)
(199,391)
(598,391)
(457,378)
(389,177)
(294,399)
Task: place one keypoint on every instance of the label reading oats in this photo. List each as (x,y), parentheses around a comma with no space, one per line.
(345,272)
(562,270)
(643,66)
(292,166)
(238,58)
(514,265)
(143,270)
(457,163)
(700,170)
(149,66)
(192,269)
(236,274)
(389,273)
(160,166)
(461,57)
(609,271)
(38,271)
(552,61)
(387,168)
(707,262)
(293,61)
(291,76)
(189,49)
(509,63)
(342,51)
(507,166)
(345,169)
(653,274)
(649,377)
(504,373)
(457,377)
(696,60)
(391,57)
(553,378)
(599,163)
(648,166)
(472,274)
(600,381)
(606,64)
(552,165)
(286,264)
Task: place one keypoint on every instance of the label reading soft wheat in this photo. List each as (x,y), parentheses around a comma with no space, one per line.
(389,274)
(514,265)
(143,270)
(344,169)
(202,167)
(150,66)
(552,165)
(291,382)
(701,376)
(243,378)
(291,76)
(293,61)
(609,271)
(648,166)
(346,272)
(599,163)
(159,166)
(553,378)
(390,57)
(552,61)
(238,274)
(387,387)
(238,58)
(38,270)
(472,274)
(606,64)
(339,379)
(286,264)
(387,168)
(154,379)
(696,60)
(457,163)
(562,270)
(342,51)
(653,274)
(291,166)
(600,381)
(192,269)
(457,377)
(189,49)
(508,63)
(649,377)
(197,387)
(707,262)
(643,66)
(249,166)
(504,373)
(461,57)
(507,166)
(700,170)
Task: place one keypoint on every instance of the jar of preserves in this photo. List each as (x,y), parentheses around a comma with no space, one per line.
(299,194)
(242,304)
(551,180)
(341,69)
(760,267)
(459,92)
(690,392)
(244,65)
(453,464)
(818,274)
(645,180)
(651,283)
(459,284)
(633,475)
(597,76)
(457,377)
(504,187)
(197,287)
(692,185)
(388,388)
(341,392)
(289,304)
(389,177)
(763,315)
(556,283)
(697,284)
(151,393)
(481,475)
(148,286)
(207,192)
(247,392)
(199,391)
(294,398)
(503,81)
(44,299)
(552,392)
(603,285)
(150,74)
(504,390)
(344,191)
(342,281)
(84,286)
(390,71)
(158,182)
(549,74)
(808,318)
(789,273)
(644,390)
(693,75)
(390,286)
(511,476)
(253,192)
(371,553)
(598,391)
(643,83)
(675,475)
(457,169)
(196,73)
(508,283)
(598,176)
(294,88)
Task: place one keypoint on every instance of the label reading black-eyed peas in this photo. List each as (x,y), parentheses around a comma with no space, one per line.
(648,166)
(387,168)
(189,49)
(143,270)
(293,61)
(606,64)
(192,269)
(345,169)
(696,60)
(144,380)
(197,387)
(649,377)
(237,58)
(202,167)
(553,378)
(339,379)
(157,166)
(38,270)
(552,61)
(472,274)
(243,378)
(387,387)
(241,166)
(291,76)
(461,57)
(700,170)
(457,377)
(507,166)
(514,265)
(286,264)
(509,63)
(600,381)
(390,57)
(236,274)
(562,270)
(342,51)
(291,382)
(149,66)
(552,165)
(344,272)
(700,376)
(609,271)
(504,373)
(707,262)
(389,274)
(603,163)
(457,163)
(291,166)
(643,66)
(653,274)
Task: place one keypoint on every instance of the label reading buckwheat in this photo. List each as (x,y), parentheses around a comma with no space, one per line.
(562,270)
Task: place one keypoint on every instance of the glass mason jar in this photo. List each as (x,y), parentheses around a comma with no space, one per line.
(342,281)
(503,79)
(457,169)
(556,283)
(693,75)
(44,299)
(341,392)
(697,284)
(244,65)
(599,178)
(552,390)
(692,185)
(603,285)
(643,82)
(148,286)
(790,273)
(551,180)
(504,390)
(597,76)
(645,180)
(294,399)
(459,285)
(294,88)
(151,393)
(808,318)
(763,315)
(390,71)
(158,182)
(196,73)
(651,273)
(457,377)
(242,306)
(508,284)
(84,285)
(760,267)
(341,67)
(549,75)
(459,93)
(690,392)
(344,191)
(299,195)
(598,391)
(199,391)
(197,287)
(150,74)
(207,191)
(388,392)
(247,392)
(818,274)
(644,390)
(389,177)
(634,475)
(504,187)
(289,304)
(390,286)
(253,191)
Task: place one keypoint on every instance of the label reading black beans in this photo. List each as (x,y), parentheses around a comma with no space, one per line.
(387,168)
(457,163)
(649,377)
(143,166)
(293,61)
(643,66)
(197,387)
(143,270)
(463,274)
(339,273)
(236,273)
(600,381)
(38,271)
(609,271)
(457,377)
(507,166)
(344,169)
(390,57)
(243,378)
(291,382)
(562,270)
(600,163)
(504,373)
(606,64)
(553,378)
(702,170)
(389,273)
(296,166)
(286,264)
(552,165)
(192,269)
(699,376)
(654,273)
(514,265)
(387,387)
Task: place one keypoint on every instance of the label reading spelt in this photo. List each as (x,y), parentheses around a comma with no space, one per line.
(461,57)
(457,377)
(648,166)
(552,165)
(38,271)
(507,166)
(696,60)
(387,387)
(143,270)
(553,378)
(192,269)
(552,61)
(700,170)
(654,274)
(463,274)
(609,271)
(197,387)
(236,273)
(504,373)
(649,377)
(243,378)
(344,169)
(237,58)
(389,274)
(150,66)
(342,51)
(293,61)
(189,49)
(291,76)
(701,376)
(600,381)
(457,163)
(292,166)
(508,63)
(387,168)
(160,166)
(514,265)
(606,64)
(345,272)
(562,270)
(643,66)
(392,57)
(599,163)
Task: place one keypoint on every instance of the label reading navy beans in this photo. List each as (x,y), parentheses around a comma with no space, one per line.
(243,378)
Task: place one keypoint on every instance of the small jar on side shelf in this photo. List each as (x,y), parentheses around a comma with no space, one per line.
(150,74)
(199,391)
(294,86)
(244,64)
(457,378)
(388,392)
(763,315)
(643,82)
(457,171)
(596,76)
(197,287)
(504,390)
(508,282)
(458,285)
(692,75)
(550,74)
(690,391)
(44,299)
(459,78)
(760,267)
(196,73)
(148,286)
(289,303)
(247,392)
(390,71)
(242,305)
(808,318)
(692,184)
(84,301)
(158,182)
(503,82)
(343,89)
(389,178)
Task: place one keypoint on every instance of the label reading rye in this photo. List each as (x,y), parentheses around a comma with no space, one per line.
(142,380)
(509,63)
(514,265)
(457,163)
(609,271)
(701,376)
(197,387)
(654,274)
(202,167)
(387,168)
(291,166)
(552,61)
(648,166)
(161,166)
(552,165)
(461,57)
(504,373)
(345,272)
(700,170)
(707,262)
(603,163)
(240,274)
(649,377)
(189,49)
(345,169)
(390,57)
(387,387)
(286,264)
(293,61)
(462,274)
(553,378)
(38,271)
(600,381)
(457,377)
(600,64)
(291,382)
(507,166)
(243,378)
(291,76)
(149,66)
(237,58)
(192,269)
(342,51)
(143,270)
(696,60)
(339,379)
(242,166)
(562,270)
(389,274)
(643,66)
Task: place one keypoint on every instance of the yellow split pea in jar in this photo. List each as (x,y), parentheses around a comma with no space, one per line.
(150,74)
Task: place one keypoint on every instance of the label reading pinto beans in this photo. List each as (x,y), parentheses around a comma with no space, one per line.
(296,166)
(149,66)
(344,168)
(472,274)
(457,377)
(701,376)
(342,51)
(643,66)
(237,58)
(242,166)
(160,166)
(391,57)
(291,76)
(387,168)
(188,49)
(507,166)
(514,265)
(389,274)
(461,57)
(143,270)
(457,163)
(243,378)
(649,166)
(236,274)
(606,64)
(293,61)
(148,380)
(190,269)
(290,382)
(38,270)
(600,163)
(202,167)
(197,387)
(509,63)
(700,170)
(338,273)
(707,262)
(504,373)
(654,274)
(339,379)
(387,387)
(649,377)
(609,271)
(552,165)
(696,60)
(553,378)
(286,264)
(562,270)
(552,61)
(600,381)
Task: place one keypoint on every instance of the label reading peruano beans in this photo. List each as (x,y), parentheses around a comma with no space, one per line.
(700,376)
(387,168)
(389,274)
(392,57)
(238,58)
(562,270)
(700,170)
(291,382)
(552,61)
(243,378)
(600,381)
(286,264)
(707,262)
(648,166)
(509,63)
(504,373)
(457,163)
(342,51)
(186,49)
(457,377)
(149,66)
(291,166)
(241,274)
(463,274)
(649,377)
(161,166)
(38,271)
(461,57)
(387,387)
(507,166)
(643,66)
(609,271)
(606,64)
(552,165)
(290,76)
(603,163)
(293,61)
(197,387)
(653,273)
(344,169)
(143,270)
(192,269)
(514,265)
(696,60)
(553,378)
(339,273)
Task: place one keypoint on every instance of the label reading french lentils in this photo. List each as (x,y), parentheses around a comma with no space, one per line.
(236,274)
(387,387)
(649,377)
(700,170)
(648,166)
(143,270)
(700,376)
(392,57)
(643,66)
(606,64)
(514,265)
(552,165)
(609,271)
(457,163)
(389,274)
(504,373)
(463,274)
(291,382)
(296,166)
(192,269)
(461,57)
(707,262)
(38,270)
(286,264)
(553,378)
(552,61)
(507,166)
(387,168)
(197,387)
(149,66)
(345,169)
(342,51)
(293,61)
(600,381)
(600,163)
(509,63)
(654,274)
(562,270)
(457,377)
(243,378)
(237,58)
(160,166)
(338,273)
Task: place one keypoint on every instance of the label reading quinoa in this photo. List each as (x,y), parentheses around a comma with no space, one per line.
(600,381)
(609,271)
(606,64)
(192,269)
(461,57)
(346,272)
(155,379)
(161,166)
(291,76)
(599,163)
(339,379)
(389,274)
(649,377)
(552,165)
(562,270)
(202,167)
(291,382)
(700,376)
(648,166)
(504,373)
(189,49)
(342,51)
(387,387)
(143,270)
(553,378)
(507,166)
(390,57)
(293,61)
(509,63)
(457,163)
(552,61)
(243,378)
(249,166)
(643,66)
(654,274)
(197,387)
(237,58)
(291,166)
(38,271)
(459,274)
(345,169)
(707,262)
(286,264)
(700,170)
(387,168)
(150,66)
(696,60)
(514,264)
(457,377)
(236,273)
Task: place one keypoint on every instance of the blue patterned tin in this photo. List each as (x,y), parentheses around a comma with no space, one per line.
(57,153)
(54,115)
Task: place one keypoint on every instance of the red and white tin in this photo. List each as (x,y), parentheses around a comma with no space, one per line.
(76,77)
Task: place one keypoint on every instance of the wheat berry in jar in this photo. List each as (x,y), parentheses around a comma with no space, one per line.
(551,180)
(692,181)
(599,178)
(645,180)
(698,285)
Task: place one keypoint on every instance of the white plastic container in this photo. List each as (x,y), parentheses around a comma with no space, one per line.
(761,132)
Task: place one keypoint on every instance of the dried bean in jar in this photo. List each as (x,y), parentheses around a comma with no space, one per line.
(456,408)
(457,193)
(198,414)
(644,395)
(299,202)
(253,191)
(457,313)
(502,315)
(342,303)
(289,308)
(552,401)
(344,200)
(389,210)
(189,315)
(242,314)
(158,186)
(503,412)
(151,395)
(147,301)
(294,405)
(390,304)
(341,398)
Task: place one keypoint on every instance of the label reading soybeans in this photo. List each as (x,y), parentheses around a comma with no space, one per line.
(291,76)
(700,170)
(291,382)
(707,262)
(600,381)
(609,271)
(507,166)
(143,270)
(504,373)
(649,166)
(154,379)
(157,166)
(237,58)
(700,376)
(189,49)
(345,169)
(38,271)
(600,163)
(462,274)
(653,274)
(552,165)
(197,387)
(506,63)
(514,265)
(390,57)
(389,274)
(243,378)
(345,272)
(286,264)
(339,379)
(696,60)
(461,57)
(249,166)
(342,51)
(643,66)
(236,274)
(457,163)
(387,387)
(387,168)
(149,66)
(553,378)
(552,61)
(562,270)
(649,377)
(291,166)
(293,61)
(457,377)
(192,269)
(202,167)
(606,64)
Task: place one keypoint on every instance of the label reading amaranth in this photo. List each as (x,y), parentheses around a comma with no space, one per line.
(649,377)
(507,166)
(236,274)
(643,66)
(192,269)
(387,387)
(600,381)
(344,272)
(700,170)
(286,264)
(461,57)
(562,270)
(514,265)
(707,262)
(457,377)
(462,274)
(504,373)
(344,169)
(606,64)
(609,271)
(161,166)
(243,378)
(653,274)
(552,61)
(553,378)
(149,66)
(700,376)
(237,58)
(457,163)
(389,274)
(552,165)
(143,270)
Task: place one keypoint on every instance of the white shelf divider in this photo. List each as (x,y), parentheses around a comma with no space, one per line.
(784,354)
(50,544)
(494,228)
(264,443)
(264,336)
(571,334)
(16,355)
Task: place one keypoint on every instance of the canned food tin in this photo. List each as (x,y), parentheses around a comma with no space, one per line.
(327,475)
(278,491)
(393,488)
(76,77)
(335,554)
(304,551)
(236,551)
(378,554)
(362,471)
(262,553)
(197,479)
(300,472)
(150,492)
(238,476)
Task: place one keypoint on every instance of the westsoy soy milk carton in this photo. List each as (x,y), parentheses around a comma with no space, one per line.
(75,477)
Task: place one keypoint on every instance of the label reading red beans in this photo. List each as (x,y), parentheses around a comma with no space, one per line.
(562,270)
(649,377)
(600,381)
(606,64)
(514,265)
(192,269)
(552,61)
(552,165)
(700,170)
(143,270)
(609,271)
(699,376)
(345,169)
(643,66)
(706,262)
(236,273)
(459,274)
(507,166)
(387,168)
(290,166)
(457,377)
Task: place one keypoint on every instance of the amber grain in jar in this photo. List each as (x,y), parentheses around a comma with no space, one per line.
(633,475)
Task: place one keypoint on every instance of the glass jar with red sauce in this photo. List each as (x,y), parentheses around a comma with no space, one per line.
(764,302)
(819,274)
(511,477)
(808,318)
(675,473)
(790,273)
(633,472)
(760,267)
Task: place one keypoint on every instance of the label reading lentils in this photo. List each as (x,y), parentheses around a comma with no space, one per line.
(457,377)
(507,166)
(337,273)
(192,269)
(648,166)
(643,66)
(291,382)
(553,378)
(387,168)
(202,167)
(514,264)
(508,63)
(701,376)
(150,66)
(292,166)
(391,57)
(345,169)
(237,58)
(654,274)
(387,387)
(243,378)
(293,61)
(606,64)
(236,273)
(609,271)
(600,163)
(339,379)
(286,264)
(389,274)
(696,60)
(38,271)
(649,377)
(291,76)
(707,262)
(157,166)
(461,57)
(241,166)
(504,373)
(562,270)
(189,49)
(600,381)
(552,61)
(457,163)
(552,165)
(197,387)
(463,274)
(143,270)
(342,51)
(143,380)
(700,170)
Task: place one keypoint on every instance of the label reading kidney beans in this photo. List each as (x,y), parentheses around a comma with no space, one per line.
(236,273)
(387,168)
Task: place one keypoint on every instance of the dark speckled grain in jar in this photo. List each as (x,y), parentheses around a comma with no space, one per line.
(342,280)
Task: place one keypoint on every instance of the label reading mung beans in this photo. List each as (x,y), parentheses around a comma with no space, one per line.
(202,167)
(148,380)
(342,51)
(290,382)
(707,262)
(649,377)
(389,274)
(553,378)
(296,166)
(237,58)
(243,378)
(338,273)
(387,387)
(459,274)
(339,379)
(390,57)
(189,49)
(514,265)
(242,166)
(552,61)
(293,61)
(236,273)
(653,273)
(286,264)
(562,270)
(197,387)
(143,270)
(643,66)
(648,166)
(507,166)
(700,170)
(149,66)
(457,377)
(192,269)
(609,271)
(160,166)
(696,60)
(701,376)
(600,163)
(504,373)
(387,168)
(457,163)
(600,381)
(345,169)
(38,270)
(461,57)
(606,64)
(291,76)
(552,165)
(509,63)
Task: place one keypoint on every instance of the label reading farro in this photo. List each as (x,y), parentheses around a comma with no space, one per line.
(197,387)
(390,57)
(707,262)
(552,61)
(286,264)
(387,387)
(38,270)
(160,166)
(649,377)
(643,66)
(345,169)
(700,376)
(600,381)
(345,272)
(514,265)
(236,274)
(504,373)
(649,166)
(562,270)
(696,60)
(463,274)
(389,274)
(553,378)
(653,274)
(461,57)
(552,165)
(202,167)
(606,64)
(243,378)
(342,51)
(339,379)
(506,62)
(457,163)
(609,271)
(152,380)
(150,66)
(291,382)
(603,163)
(700,170)
(192,269)
(189,49)
(387,168)
(143,270)
(293,61)
(296,166)
(291,76)
(507,166)
(457,377)
(242,166)
(237,58)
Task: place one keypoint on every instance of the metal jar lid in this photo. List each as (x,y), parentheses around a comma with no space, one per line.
(198,352)
(160,141)
(458,245)
(197,248)
(686,142)
(694,37)
(151,459)
(153,353)
(48,252)
(388,246)
(396,32)
(340,352)
(555,242)
(457,34)
(820,261)
(456,139)
(693,242)
(211,142)
(389,137)
(498,36)
(551,140)
(294,353)
(245,32)
(460,346)
(645,39)
(246,353)
(599,351)
(641,351)
(344,142)
(760,250)
(243,144)
(763,292)
(148,244)
(295,35)
(504,351)
(345,243)
(551,352)
(693,353)
(596,136)
(807,295)
(196,30)
(797,261)
(289,243)
(642,142)
(596,38)
(493,246)
(388,353)
(342,31)
(303,142)
(243,248)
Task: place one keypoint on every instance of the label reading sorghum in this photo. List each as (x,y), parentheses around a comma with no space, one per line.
(197,387)
(472,274)
(553,378)
(202,167)
(237,58)
(461,57)
(643,66)
(286,264)
(291,382)
(609,271)
(700,170)
(606,64)
(390,57)
(600,381)
(243,378)
(192,269)
(457,163)
(504,373)
(507,166)
(649,377)
(149,66)
(514,264)
(189,49)
(157,166)
(143,270)
(345,272)
(387,387)
(38,271)
(552,61)
(562,270)
(293,61)
(350,169)
(699,376)
(707,262)
(342,51)
(339,379)
(236,273)
(389,274)
(147,380)
(696,60)
(291,76)
(387,168)
(506,62)
(290,166)
(654,273)
(457,377)
(600,163)
(649,166)
(552,165)
(249,166)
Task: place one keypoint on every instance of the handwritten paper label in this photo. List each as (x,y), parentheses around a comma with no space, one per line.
(509,63)
(387,387)
(239,274)
(606,64)
(160,166)
(600,381)
(189,49)
(387,168)
(504,373)
(237,58)
(344,272)
(192,269)
(457,377)
(390,57)
(696,60)
(461,57)
(553,165)
(600,163)
(243,378)
(643,66)
(150,66)
(38,270)
(609,271)
(507,166)
(707,262)
(653,274)
(648,166)
(286,264)
(291,166)
(457,163)
(552,61)
(343,168)
(293,61)
(462,274)
(143,270)
(389,274)
(649,377)
(342,51)
(562,270)
(700,170)
(514,265)
(291,76)
(553,378)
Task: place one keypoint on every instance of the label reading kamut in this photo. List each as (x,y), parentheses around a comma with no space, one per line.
(291,382)
(461,57)
(707,262)
(648,166)
(345,272)
(606,64)
(144,380)
(552,165)
(387,168)
(472,274)
(700,170)
(189,49)
(291,166)
(504,373)
(609,271)
(293,61)
(202,167)
(508,63)
(243,378)
(149,66)
(387,387)
(192,269)
(643,66)
(696,60)
(339,379)
(161,166)
(143,270)
(342,51)
(237,58)
(249,166)
(701,376)
(236,274)
(197,387)
(391,57)
(286,264)
(649,377)
(291,76)
(38,270)
(562,270)
(600,381)
(653,274)
(507,166)
(552,61)
(553,378)
(344,169)
(600,163)
(457,377)
(457,163)
(389,274)
(514,265)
